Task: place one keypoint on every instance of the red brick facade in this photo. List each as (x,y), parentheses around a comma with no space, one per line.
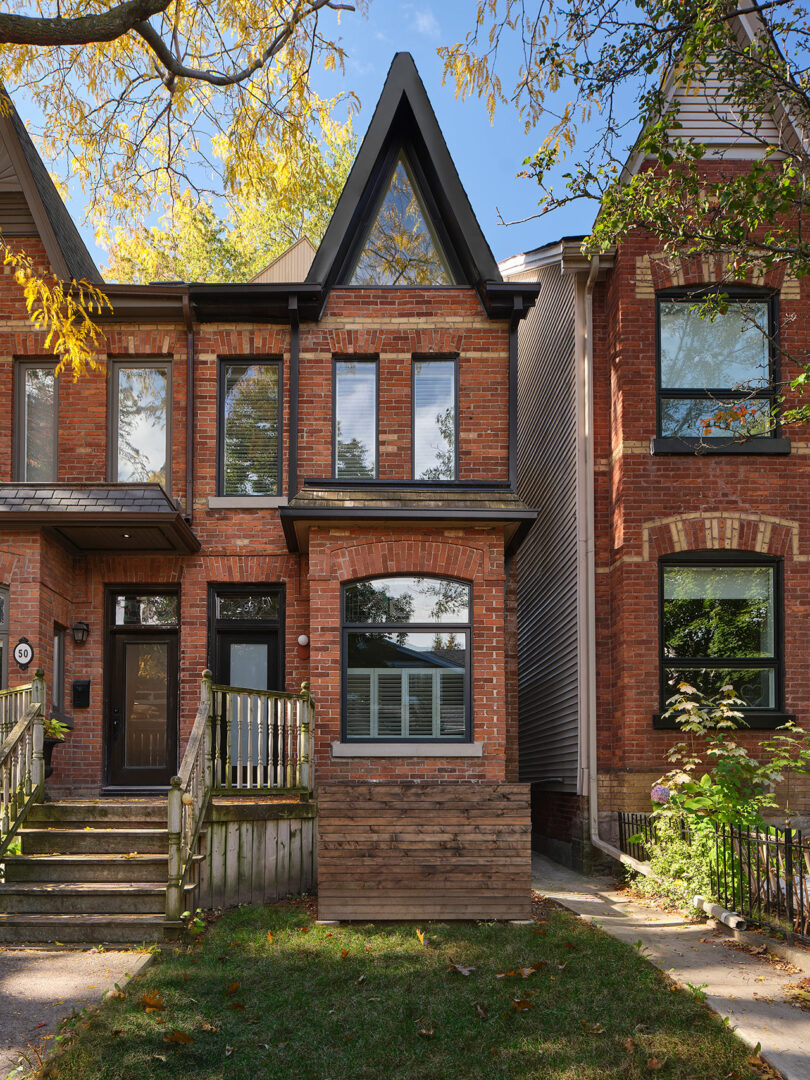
(49,584)
(651,505)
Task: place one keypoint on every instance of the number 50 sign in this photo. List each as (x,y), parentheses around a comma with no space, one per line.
(23,652)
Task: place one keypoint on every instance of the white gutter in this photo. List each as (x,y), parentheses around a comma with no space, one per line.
(588,587)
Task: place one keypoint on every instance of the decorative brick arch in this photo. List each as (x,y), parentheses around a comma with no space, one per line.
(654,272)
(434,556)
(721,531)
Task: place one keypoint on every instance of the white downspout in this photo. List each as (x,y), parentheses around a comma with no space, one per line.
(588,608)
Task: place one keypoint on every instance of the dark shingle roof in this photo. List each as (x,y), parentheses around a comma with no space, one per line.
(406,498)
(85,498)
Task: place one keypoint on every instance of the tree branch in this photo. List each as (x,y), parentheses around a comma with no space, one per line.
(105,26)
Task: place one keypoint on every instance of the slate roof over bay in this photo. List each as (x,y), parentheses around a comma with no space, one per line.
(381,497)
(85,498)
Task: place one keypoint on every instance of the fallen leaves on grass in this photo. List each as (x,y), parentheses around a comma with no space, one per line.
(182,1038)
(422,936)
(521,1004)
(152,1002)
(237,1005)
(592,1029)
(481,1011)
(462,970)
(426,1032)
(212,1029)
(522,972)
(344,953)
(629,1045)
(799,993)
(270,936)
(232,989)
(653,1064)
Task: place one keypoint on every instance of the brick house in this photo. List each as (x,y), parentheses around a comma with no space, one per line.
(641,515)
(283,482)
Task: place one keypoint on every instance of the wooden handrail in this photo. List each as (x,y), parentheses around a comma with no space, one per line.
(22,765)
(262,739)
(16,689)
(189,796)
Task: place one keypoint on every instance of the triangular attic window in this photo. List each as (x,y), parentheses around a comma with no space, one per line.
(401,248)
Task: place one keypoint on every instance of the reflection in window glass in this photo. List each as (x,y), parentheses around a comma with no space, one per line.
(708,364)
(356,419)
(141,422)
(434,420)
(39,425)
(159,609)
(401,247)
(407,600)
(247,606)
(251,429)
(399,683)
(719,628)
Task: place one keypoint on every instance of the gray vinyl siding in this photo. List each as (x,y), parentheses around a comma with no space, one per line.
(548,668)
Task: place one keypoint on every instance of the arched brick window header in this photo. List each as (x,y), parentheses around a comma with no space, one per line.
(755,533)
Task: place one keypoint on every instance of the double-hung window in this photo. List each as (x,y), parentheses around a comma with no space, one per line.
(721,625)
(141,413)
(406,667)
(250,427)
(37,409)
(435,419)
(716,377)
(355,419)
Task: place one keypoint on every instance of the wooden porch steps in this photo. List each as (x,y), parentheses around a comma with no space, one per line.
(90,872)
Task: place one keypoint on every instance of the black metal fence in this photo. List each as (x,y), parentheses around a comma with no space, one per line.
(761,873)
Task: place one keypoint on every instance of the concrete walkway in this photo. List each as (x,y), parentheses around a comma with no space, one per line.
(747,989)
(38,987)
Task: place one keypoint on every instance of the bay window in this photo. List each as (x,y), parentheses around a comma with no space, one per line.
(406,659)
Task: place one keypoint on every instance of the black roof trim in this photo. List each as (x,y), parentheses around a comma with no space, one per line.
(66,251)
(218,302)
(404,115)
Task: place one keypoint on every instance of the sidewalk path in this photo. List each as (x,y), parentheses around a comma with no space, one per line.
(745,988)
(39,987)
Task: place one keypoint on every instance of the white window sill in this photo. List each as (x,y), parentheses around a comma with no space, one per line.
(414,749)
(245,502)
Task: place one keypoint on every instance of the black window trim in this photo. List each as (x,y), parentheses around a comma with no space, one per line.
(248,359)
(58,682)
(21,365)
(427,358)
(115,366)
(356,358)
(772,443)
(466,628)
(754,718)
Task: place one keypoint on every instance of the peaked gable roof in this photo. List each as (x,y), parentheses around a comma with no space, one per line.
(290,265)
(23,170)
(404,119)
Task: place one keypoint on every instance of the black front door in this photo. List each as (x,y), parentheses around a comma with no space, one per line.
(246,637)
(142,691)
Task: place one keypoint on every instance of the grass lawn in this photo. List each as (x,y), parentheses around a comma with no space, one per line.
(266,993)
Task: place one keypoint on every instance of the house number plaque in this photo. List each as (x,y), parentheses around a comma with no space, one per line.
(23,652)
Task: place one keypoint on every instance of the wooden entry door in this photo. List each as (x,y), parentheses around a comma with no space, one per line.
(142,696)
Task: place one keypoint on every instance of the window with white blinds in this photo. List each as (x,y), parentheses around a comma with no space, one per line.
(406,644)
(355,434)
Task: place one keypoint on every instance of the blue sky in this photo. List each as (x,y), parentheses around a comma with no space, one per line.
(487,156)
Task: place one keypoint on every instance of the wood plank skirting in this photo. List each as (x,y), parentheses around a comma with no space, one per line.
(453,850)
(256,852)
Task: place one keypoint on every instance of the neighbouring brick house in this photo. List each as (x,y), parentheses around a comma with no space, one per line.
(641,515)
(312,480)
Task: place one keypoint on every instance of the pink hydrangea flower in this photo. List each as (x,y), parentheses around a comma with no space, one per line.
(659,794)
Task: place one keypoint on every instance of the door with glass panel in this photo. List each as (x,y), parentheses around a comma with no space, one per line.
(142,690)
(247,653)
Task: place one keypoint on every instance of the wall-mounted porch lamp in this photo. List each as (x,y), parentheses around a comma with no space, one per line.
(80,631)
